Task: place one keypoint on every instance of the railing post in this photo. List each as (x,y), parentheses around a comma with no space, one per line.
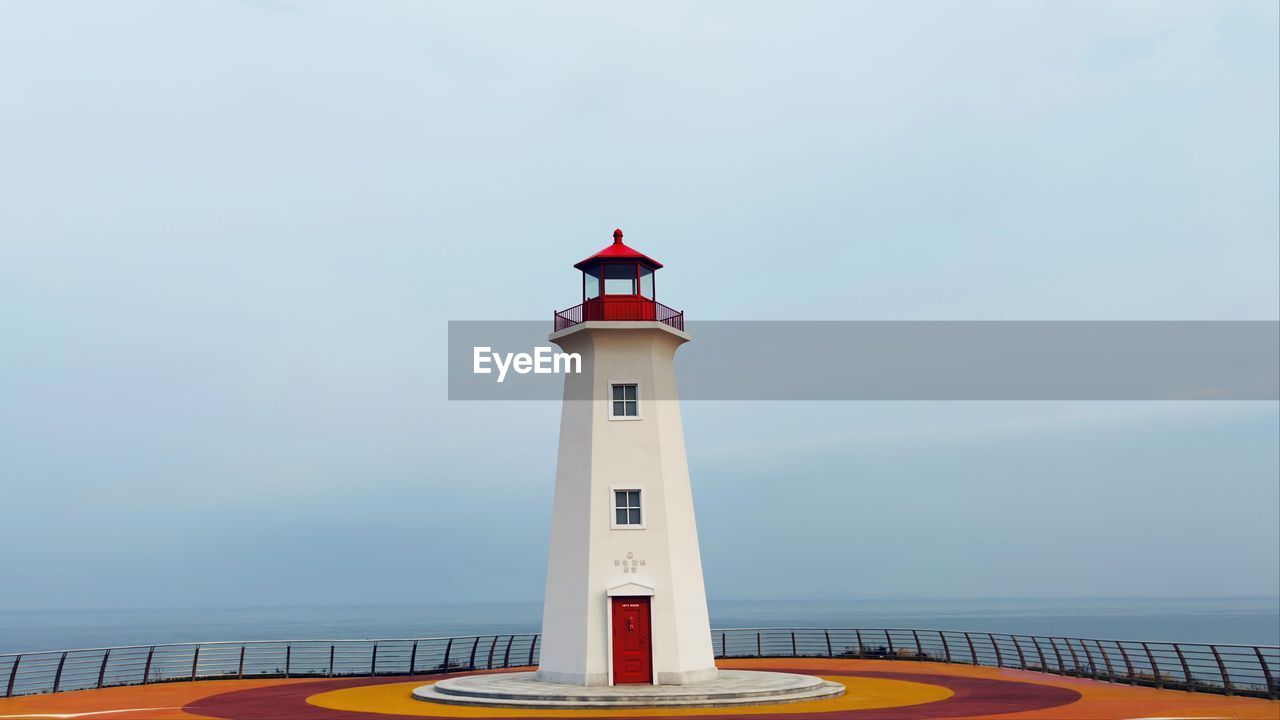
(889,641)
(288,659)
(57,677)
(533,643)
(1262,660)
(489,664)
(1044,664)
(793,644)
(1106,660)
(1075,659)
(1155,667)
(13,675)
(413,658)
(474,645)
(332,651)
(862,650)
(1186,669)
(1022,659)
(1128,664)
(1093,667)
(1062,667)
(827,635)
(506,656)
(994,646)
(1222,668)
(240,666)
(919,648)
(759,652)
(946,649)
(146,669)
(373,662)
(102,669)
(444,667)
(973,652)
(195,662)
(724,652)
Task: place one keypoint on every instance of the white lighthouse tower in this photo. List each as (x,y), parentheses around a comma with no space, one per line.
(625,621)
(625,601)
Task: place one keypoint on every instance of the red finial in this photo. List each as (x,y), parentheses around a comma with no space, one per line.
(617,236)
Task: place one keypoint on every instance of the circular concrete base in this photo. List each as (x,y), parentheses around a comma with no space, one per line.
(729,688)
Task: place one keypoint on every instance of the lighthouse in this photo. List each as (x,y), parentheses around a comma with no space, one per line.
(625,622)
(625,600)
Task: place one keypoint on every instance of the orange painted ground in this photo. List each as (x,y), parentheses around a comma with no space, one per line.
(875,690)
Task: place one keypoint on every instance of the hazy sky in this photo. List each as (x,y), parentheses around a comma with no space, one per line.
(231,234)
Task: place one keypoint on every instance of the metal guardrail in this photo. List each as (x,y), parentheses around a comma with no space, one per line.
(58,671)
(618,309)
(1194,667)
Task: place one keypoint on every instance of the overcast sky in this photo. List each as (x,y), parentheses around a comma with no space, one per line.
(231,234)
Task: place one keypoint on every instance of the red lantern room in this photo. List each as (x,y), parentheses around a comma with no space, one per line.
(617,284)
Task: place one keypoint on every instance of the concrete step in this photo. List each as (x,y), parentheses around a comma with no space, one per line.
(732,688)
(625,693)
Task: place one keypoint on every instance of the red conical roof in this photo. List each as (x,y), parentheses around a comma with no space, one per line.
(618,251)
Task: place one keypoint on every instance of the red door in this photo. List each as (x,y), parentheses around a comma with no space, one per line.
(632,662)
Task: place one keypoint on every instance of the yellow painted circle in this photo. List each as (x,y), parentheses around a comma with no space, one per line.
(860,694)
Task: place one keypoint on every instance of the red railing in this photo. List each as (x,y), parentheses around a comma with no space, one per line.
(626,309)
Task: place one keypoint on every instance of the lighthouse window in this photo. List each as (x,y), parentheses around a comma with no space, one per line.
(626,507)
(646,282)
(619,279)
(624,401)
(591,283)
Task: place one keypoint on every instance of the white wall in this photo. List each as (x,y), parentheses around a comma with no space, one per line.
(596,454)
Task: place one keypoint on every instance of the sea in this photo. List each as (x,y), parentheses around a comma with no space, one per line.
(1251,621)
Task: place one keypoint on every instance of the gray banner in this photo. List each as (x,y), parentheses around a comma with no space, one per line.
(968,360)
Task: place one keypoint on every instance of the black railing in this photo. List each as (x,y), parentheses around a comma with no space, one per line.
(566,318)
(44,672)
(624,309)
(674,318)
(1195,667)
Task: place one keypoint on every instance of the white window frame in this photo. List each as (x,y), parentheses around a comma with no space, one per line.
(639,410)
(613,507)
